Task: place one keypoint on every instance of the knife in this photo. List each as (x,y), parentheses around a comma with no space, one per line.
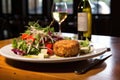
(94,63)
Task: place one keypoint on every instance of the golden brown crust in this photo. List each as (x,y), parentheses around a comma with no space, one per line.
(66,48)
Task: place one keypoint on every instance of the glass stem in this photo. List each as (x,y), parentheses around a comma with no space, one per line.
(60,28)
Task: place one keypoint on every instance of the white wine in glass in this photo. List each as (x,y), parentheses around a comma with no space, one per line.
(59,13)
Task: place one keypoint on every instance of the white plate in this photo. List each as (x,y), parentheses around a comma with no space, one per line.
(6,52)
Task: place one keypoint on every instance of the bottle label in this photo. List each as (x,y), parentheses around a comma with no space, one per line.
(82,21)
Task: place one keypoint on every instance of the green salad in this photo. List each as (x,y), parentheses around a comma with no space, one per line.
(85,46)
(34,39)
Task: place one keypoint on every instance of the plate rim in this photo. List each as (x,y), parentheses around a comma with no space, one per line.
(49,60)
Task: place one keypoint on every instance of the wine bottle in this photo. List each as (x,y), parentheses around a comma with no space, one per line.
(84,20)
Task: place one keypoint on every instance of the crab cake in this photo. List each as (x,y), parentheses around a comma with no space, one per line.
(66,48)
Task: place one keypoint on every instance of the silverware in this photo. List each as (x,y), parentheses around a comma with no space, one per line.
(94,63)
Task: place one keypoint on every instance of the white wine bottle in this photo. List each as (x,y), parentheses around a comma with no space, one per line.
(84,20)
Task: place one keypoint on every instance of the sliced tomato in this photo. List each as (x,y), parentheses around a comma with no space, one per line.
(30,37)
(49,48)
(49,45)
(50,51)
(24,36)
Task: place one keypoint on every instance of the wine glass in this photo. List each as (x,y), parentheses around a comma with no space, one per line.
(59,12)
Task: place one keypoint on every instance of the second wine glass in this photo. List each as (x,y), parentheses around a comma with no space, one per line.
(59,12)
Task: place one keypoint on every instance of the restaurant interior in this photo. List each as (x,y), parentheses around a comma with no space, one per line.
(32,56)
(15,15)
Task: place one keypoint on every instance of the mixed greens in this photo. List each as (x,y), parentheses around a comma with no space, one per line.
(34,39)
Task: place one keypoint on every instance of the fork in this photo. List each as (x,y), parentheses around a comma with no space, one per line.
(94,63)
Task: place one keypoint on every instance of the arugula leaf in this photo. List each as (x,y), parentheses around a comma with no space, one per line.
(14,43)
(85,43)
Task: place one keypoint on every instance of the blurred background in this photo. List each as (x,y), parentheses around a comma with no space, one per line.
(15,15)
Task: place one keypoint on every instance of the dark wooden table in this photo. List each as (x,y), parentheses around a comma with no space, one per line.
(108,70)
